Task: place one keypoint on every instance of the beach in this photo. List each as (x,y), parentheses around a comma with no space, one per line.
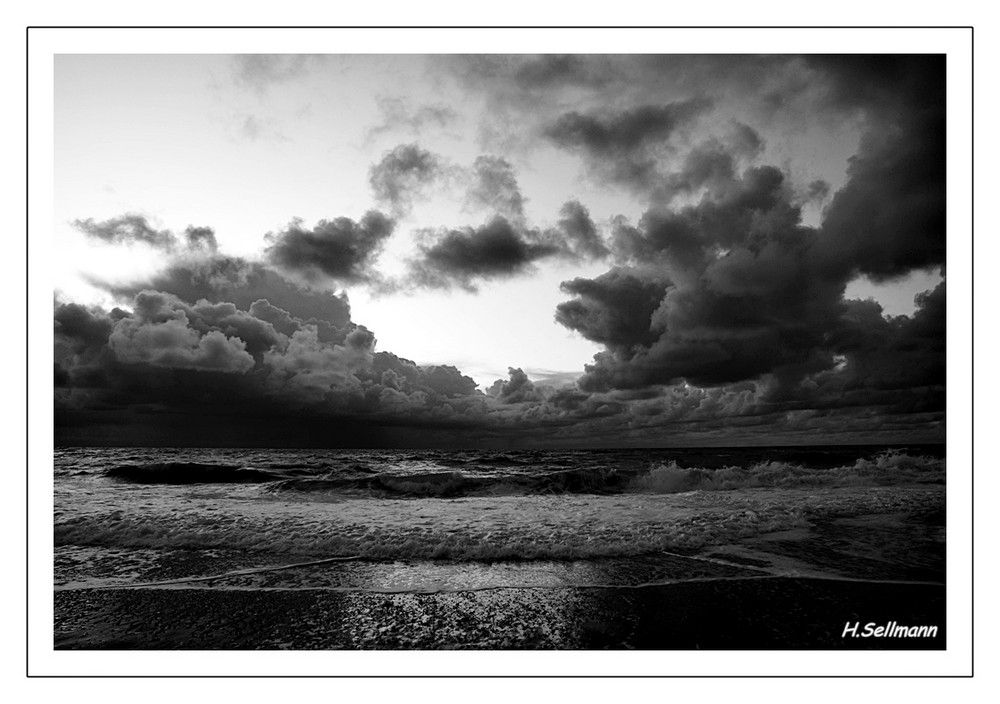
(779,613)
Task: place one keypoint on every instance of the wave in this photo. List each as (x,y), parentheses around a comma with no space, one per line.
(410,479)
(477,539)
(188,473)
(452,484)
(886,469)
(503,528)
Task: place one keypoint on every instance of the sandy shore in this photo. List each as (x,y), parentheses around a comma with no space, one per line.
(745,613)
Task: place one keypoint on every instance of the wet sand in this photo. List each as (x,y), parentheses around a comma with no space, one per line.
(739,613)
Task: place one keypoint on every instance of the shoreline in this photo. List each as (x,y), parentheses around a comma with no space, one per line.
(749,613)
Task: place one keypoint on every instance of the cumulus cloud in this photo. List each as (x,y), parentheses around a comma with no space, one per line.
(890,216)
(243,283)
(494,187)
(503,248)
(260,366)
(462,257)
(580,233)
(405,174)
(624,148)
(162,337)
(341,249)
(518,389)
(734,289)
(736,298)
(201,238)
(614,309)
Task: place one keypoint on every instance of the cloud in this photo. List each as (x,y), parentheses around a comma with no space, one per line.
(614,309)
(720,284)
(214,372)
(462,257)
(494,187)
(518,389)
(133,228)
(624,148)
(159,334)
(398,113)
(127,229)
(502,248)
(721,316)
(580,233)
(890,216)
(718,293)
(202,238)
(341,249)
(558,70)
(262,71)
(243,283)
(404,175)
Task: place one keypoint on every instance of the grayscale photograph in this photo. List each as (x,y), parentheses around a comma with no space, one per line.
(559,352)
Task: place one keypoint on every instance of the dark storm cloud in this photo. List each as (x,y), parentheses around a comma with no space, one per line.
(405,174)
(216,366)
(555,70)
(217,350)
(624,148)
(903,352)
(88,328)
(494,187)
(518,389)
(243,283)
(496,250)
(709,166)
(890,217)
(735,296)
(341,249)
(724,291)
(614,309)
(160,334)
(880,82)
(580,233)
(624,132)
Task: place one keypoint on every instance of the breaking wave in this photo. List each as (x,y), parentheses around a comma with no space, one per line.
(505,478)
(886,469)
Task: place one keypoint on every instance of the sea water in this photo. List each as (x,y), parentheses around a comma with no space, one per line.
(430,521)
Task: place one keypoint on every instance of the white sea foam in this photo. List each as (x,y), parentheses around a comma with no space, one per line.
(886,469)
(480,528)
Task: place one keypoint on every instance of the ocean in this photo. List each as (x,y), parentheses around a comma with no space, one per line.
(461,526)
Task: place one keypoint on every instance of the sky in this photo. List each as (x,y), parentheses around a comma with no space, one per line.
(499,250)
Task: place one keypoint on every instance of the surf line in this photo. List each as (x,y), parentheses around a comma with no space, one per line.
(801,574)
(224,575)
(725,563)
